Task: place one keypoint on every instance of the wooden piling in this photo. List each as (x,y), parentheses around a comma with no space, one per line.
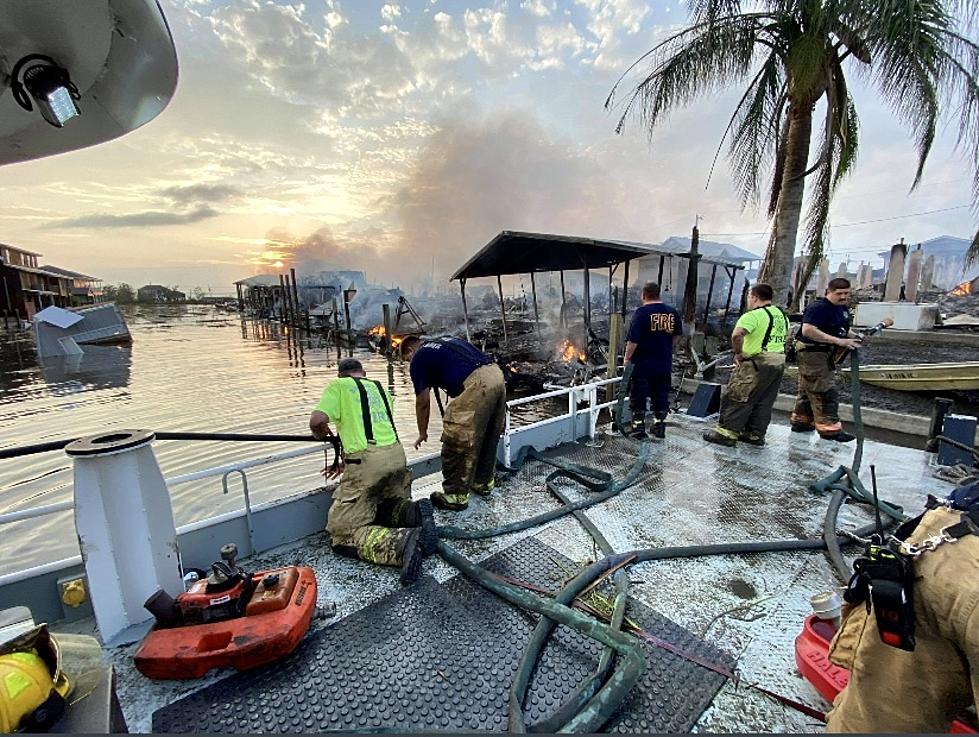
(615,328)
(388,328)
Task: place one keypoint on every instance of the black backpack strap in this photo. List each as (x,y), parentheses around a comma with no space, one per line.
(768,332)
(387,407)
(365,410)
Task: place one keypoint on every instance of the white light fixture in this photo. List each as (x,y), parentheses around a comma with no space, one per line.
(39,77)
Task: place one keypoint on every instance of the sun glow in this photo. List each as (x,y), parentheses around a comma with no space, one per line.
(278,264)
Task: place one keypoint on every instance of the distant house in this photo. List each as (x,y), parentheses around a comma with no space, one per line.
(27,287)
(719,260)
(949,253)
(159,294)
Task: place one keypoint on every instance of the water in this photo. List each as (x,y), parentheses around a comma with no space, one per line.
(191,369)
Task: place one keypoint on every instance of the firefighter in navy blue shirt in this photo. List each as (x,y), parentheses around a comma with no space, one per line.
(649,347)
(825,326)
(473,420)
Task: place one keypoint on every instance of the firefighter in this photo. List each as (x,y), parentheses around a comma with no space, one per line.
(473,420)
(649,347)
(759,356)
(372,516)
(825,326)
(895,690)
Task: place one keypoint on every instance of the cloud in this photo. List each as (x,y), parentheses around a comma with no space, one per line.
(608,20)
(540,8)
(137,219)
(284,51)
(389,12)
(198,193)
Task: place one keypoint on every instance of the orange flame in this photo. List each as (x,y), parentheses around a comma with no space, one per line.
(962,289)
(378,331)
(570,352)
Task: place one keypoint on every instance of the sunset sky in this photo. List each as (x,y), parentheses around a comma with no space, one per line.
(376,136)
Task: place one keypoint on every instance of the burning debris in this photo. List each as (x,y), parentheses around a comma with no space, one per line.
(964,289)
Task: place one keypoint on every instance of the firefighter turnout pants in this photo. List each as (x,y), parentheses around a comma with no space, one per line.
(891,690)
(751,392)
(372,512)
(471,431)
(818,402)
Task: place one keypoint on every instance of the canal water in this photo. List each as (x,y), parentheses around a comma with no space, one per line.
(191,369)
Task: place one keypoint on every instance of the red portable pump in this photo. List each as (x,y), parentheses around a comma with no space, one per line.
(228,619)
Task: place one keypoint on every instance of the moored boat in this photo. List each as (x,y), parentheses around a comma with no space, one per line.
(923,377)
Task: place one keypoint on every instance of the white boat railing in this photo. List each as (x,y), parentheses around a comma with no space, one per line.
(576,395)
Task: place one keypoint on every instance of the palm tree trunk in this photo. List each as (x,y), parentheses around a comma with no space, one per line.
(777,267)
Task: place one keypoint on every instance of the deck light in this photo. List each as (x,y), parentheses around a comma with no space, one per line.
(39,77)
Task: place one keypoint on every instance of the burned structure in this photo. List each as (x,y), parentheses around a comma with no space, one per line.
(576,337)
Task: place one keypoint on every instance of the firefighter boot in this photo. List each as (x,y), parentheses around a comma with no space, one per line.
(451,502)
(715,437)
(411,557)
(752,438)
(659,427)
(839,437)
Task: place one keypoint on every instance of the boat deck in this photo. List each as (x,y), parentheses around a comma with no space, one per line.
(750,607)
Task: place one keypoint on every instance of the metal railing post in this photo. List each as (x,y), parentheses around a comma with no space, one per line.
(248,504)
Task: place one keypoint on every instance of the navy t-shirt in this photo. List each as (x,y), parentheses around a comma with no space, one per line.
(652,330)
(824,315)
(436,364)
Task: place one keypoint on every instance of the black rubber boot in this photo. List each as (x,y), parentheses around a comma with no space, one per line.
(659,429)
(715,437)
(429,538)
(752,439)
(411,558)
(638,429)
(802,427)
(839,437)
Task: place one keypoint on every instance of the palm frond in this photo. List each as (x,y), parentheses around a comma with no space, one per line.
(752,147)
(711,10)
(718,54)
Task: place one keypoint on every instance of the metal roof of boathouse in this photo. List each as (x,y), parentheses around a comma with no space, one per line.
(518,252)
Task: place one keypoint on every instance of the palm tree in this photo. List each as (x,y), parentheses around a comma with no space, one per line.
(793,54)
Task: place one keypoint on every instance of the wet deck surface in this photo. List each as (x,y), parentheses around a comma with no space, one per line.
(751,607)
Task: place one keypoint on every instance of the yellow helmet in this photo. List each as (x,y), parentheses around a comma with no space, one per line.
(32,685)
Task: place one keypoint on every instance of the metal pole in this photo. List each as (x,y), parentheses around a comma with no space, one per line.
(611,307)
(564,308)
(465,307)
(659,277)
(625,289)
(587,307)
(710,292)
(533,291)
(506,337)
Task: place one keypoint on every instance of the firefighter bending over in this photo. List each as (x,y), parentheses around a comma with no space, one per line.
(759,356)
(473,420)
(372,516)
(914,656)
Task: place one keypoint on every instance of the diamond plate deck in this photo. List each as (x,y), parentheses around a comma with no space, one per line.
(441,658)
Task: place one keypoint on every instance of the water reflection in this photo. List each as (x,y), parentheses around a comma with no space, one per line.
(99,367)
(191,369)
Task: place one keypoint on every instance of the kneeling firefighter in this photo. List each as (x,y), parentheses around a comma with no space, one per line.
(474,419)
(372,516)
(913,661)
